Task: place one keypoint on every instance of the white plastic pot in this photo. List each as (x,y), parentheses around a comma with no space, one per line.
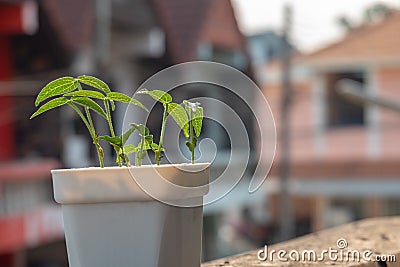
(110,221)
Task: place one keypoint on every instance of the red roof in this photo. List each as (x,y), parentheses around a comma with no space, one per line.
(189,22)
(369,42)
(185,22)
(73,20)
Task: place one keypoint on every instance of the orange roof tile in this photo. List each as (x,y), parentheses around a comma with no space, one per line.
(376,41)
(73,20)
(189,22)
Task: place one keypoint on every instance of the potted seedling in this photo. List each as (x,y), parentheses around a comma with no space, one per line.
(195,114)
(111,218)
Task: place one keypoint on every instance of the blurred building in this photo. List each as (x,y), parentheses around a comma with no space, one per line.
(265,47)
(122,41)
(28,217)
(344,155)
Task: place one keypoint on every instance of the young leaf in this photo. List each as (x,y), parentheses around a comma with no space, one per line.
(87,93)
(50,105)
(179,115)
(125,136)
(57,87)
(125,99)
(87,102)
(149,139)
(190,146)
(129,149)
(142,129)
(197,115)
(156,147)
(197,120)
(94,82)
(158,95)
(116,140)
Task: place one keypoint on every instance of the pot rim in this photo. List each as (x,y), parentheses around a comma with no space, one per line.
(147,166)
(169,183)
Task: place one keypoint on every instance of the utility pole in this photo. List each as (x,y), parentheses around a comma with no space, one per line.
(103,9)
(103,32)
(286,213)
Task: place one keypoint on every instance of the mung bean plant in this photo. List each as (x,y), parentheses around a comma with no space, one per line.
(69,91)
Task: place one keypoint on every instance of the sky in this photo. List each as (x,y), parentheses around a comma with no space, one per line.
(314,21)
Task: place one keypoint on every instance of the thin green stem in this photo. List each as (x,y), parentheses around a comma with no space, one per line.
(142,150)
(109,118)
(164,121)
(140,153)
(110,125)
(89,117)
(138,161)
(126,158)
(191,132)
(100,152)
(91,131)
(142,144)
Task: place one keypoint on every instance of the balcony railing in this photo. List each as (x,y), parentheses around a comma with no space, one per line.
(370,242)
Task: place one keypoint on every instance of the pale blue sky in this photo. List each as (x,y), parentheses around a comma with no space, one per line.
(314,22)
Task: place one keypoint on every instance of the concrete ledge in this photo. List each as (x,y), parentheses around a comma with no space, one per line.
(371,237)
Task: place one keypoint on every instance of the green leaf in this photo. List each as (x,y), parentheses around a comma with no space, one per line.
(158,95)
(94,82)
(125,99)
(50,105)
(57,87)
(197,120)
(125,136)
(141,154)
(129,149)
(194,110)
(149,139)
(142,129)
(87,93)
(115,140)
(156,147)
(146,146)
(178,113)
(87,102)
(190,146)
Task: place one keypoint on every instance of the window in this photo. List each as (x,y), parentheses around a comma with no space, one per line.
(341,111)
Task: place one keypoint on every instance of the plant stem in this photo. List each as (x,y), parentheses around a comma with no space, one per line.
(100,152)
(139,154)
(191,133)
(137,160)
(110,125)
(109,118)
(91,131)
(126,158)
(164,121)
(89,117)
